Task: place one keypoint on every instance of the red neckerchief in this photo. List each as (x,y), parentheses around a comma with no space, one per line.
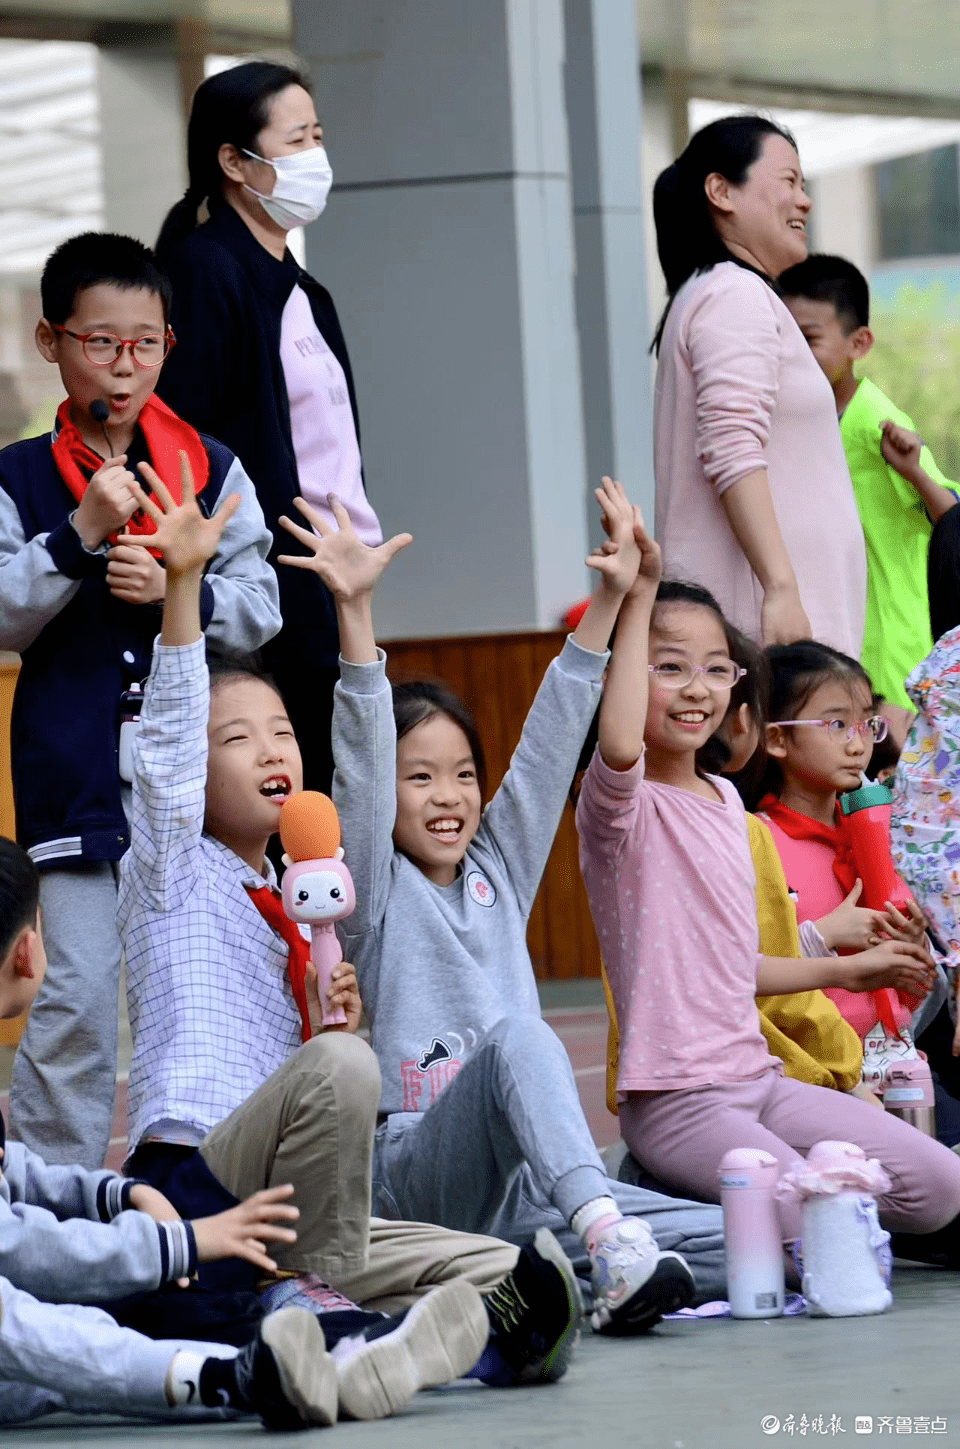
(270,906)
(801,827)
(166,436)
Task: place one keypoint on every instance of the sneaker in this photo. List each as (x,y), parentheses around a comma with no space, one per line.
(634,1284)
(535,1312)
(437,1340)
(286,1375)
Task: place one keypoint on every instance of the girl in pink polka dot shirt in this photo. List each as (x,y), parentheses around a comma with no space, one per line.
(666,859)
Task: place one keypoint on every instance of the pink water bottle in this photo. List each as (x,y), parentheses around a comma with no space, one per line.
(908,1093)
(751,1226)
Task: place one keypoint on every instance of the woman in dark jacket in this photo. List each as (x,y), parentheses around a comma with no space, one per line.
(260,361)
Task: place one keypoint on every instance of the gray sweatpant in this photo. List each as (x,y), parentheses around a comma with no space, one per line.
(64,1074)
(505,1149)
(60,1356)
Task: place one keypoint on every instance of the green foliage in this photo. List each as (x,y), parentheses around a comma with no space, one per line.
(916,362)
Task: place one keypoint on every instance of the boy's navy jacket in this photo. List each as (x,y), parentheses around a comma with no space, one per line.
(82,648)
(67,1235)
(225,377)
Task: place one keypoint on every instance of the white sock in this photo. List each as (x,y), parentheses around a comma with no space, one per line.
(182,1384)
(591,1212)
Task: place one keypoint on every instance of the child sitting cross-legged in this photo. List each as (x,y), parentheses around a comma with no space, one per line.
(821,736)
(665,853)
(482,1125)
(236,1083)
(803,1028)
(71,1239)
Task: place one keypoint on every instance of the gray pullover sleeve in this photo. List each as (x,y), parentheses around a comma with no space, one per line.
(66,1235)
(365,784)
(240,588)
(522,819)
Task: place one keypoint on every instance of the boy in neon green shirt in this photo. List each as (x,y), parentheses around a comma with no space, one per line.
(900,491)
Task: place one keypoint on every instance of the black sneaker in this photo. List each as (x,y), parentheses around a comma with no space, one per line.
(286,1375)
(669,1288)
(535,1312)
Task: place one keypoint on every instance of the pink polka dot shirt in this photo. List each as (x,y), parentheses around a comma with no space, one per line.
(672,890)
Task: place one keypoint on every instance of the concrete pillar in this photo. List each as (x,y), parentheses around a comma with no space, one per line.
(143,137)
(603,108)
(844,215)
(447,244)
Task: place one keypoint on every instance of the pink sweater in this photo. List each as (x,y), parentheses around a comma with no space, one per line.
(808,866)
(672,890)
(738,389)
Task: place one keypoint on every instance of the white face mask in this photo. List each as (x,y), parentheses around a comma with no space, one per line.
(300,191)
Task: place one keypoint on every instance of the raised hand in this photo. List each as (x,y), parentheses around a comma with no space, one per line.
(244,1231)
(348,567)
(186,539)
(616,560)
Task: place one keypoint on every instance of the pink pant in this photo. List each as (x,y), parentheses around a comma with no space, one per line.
(681,1137)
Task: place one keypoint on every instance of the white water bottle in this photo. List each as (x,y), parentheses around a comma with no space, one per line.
(131,702)
(751,1226)
(846,1253)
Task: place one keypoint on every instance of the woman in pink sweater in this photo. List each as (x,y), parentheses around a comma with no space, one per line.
(754,498)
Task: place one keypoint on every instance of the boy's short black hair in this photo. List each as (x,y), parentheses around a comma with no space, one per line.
(822,278)
(227,668)
(19,893)
(96,258)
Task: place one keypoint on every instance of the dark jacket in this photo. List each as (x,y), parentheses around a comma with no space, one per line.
(81,647)
(225,377)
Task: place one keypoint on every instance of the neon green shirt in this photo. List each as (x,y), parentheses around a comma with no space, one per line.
(897,531)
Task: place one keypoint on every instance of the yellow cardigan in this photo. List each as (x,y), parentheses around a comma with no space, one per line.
(804,1029)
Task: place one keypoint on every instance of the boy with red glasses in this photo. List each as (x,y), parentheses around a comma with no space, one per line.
(83,612)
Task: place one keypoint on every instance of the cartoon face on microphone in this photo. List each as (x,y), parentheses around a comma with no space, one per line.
(317,888)
(318,892)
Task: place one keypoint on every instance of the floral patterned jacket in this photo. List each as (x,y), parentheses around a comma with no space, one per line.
(925,821)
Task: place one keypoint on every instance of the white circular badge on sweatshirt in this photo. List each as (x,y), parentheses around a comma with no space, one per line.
(480,889)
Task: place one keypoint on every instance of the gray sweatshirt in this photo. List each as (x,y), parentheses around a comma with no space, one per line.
(438,966)
(69,1236)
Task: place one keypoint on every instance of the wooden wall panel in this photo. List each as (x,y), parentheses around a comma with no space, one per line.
(498,676)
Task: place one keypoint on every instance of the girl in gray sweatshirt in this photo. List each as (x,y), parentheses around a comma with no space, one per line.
(482,1124)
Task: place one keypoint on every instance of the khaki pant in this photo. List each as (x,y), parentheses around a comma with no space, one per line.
(312,1124)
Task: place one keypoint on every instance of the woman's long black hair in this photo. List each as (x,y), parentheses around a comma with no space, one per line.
(230,108)
(687,237)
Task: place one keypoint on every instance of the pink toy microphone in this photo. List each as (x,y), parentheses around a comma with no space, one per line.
(317,888)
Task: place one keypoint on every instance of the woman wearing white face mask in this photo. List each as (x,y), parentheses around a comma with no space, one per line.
(260,359)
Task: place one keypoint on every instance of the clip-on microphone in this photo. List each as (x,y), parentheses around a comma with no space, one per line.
(100,412)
